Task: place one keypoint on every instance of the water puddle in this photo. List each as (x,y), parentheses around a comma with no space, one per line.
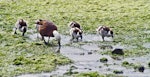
(124,46)
(92,38)
(143,60)
(90,47)
(66,38)
(146,45)
(87,59)
(148,31)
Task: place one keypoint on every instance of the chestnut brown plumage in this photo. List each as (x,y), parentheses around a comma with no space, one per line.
(48,29)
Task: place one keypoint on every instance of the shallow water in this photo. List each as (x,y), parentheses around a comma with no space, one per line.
(146,45)
(86,59)
(143,60)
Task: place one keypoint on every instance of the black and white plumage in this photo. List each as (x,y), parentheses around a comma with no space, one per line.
(21,25)
(104,31)
(76,33)
(74,24)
